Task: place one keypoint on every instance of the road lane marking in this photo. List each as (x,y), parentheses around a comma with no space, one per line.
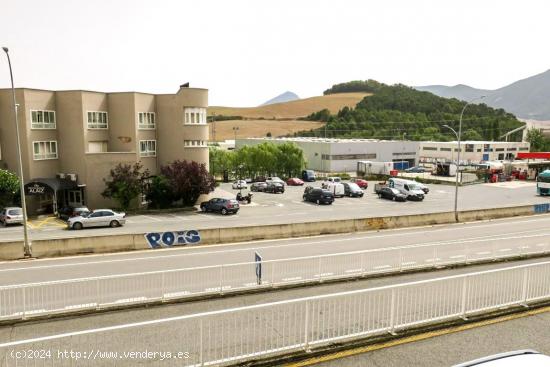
(414,338)
(456,256)
(483,253)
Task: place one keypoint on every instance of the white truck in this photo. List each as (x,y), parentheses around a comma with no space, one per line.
(337,188)
(374,168)
(407,187)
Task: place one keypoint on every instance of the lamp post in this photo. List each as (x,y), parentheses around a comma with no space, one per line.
(235,129)
(26,243)
(403,151)
(458,136)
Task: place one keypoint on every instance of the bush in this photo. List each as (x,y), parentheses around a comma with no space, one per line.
(188,180)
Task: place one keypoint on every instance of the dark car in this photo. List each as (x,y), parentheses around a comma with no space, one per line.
(224,206)
(308,175)
(391,194)
(275,187)
(352,190)
(258,186)
(319,196)
(70,211)
(416,169)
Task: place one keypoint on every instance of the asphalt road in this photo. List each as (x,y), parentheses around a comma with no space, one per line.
(177,336)
(289,207)
(457,346)
(529,230)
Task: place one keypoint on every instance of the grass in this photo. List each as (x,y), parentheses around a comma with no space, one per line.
(293,109)
(259,128)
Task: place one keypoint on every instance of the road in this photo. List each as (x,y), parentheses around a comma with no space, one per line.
(529,230)
(289,207)
(453,346)
(177,336)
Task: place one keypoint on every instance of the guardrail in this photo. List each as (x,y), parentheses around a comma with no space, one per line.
(66,296)
(253,332)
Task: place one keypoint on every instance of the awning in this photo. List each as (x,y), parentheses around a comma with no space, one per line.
(40,186)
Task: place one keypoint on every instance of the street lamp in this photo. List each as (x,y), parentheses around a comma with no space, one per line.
(458,136)
(403,152)
(235,129)
(26,243)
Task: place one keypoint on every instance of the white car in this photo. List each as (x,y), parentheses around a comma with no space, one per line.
(274,179)
(240,184)
(11,215)
(97,218)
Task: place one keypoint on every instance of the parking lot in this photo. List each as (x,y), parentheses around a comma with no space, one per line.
(289,207)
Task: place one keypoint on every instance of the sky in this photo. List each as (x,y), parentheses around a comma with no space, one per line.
(248,51)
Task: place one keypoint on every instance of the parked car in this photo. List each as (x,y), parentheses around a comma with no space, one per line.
(275,187)
(317,195)
(258,186)
(223,206)
(407,187)
(332,179)
(337,188)
(11,215)
(294,182)
(239,184)
(308,175)
(352,190)
(391,194)
(97,218)
(360,182)
(274,179)
(416,169)
(70,211)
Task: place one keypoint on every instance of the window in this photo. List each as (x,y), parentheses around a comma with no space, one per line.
(147,148)
(445,149)
(97,147)
(44,150)
(469,148)
(194,143)
(429,148)
(97,120)
(523,148)
(146,120)
(512,149)
(194,115)
(42,119)
(499,149)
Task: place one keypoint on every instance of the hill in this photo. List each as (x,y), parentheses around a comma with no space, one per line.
(259,128)
(293,109)
(281,98)
(527,98)
(396,111)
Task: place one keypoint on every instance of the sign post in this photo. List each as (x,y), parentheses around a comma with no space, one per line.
(258,261)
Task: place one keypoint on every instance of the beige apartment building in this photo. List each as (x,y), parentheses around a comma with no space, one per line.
(72,139)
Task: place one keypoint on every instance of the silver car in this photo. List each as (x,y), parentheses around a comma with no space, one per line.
(11,215)
(97,218)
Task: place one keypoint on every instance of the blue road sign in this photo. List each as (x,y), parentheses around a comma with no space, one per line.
(258,260)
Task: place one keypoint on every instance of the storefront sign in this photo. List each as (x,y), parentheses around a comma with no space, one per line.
(35,188)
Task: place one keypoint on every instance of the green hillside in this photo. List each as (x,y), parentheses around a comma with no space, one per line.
(398,109)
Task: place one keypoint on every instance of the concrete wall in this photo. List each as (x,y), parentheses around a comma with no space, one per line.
(129,242)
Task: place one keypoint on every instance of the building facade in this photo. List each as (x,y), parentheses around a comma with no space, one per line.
(342,155)
(472,152)
(70,140)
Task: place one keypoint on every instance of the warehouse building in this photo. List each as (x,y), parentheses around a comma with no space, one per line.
(342,155)
(71,139)
(472,152)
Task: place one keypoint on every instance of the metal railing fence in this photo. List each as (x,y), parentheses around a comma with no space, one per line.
(252,332)
(45,298)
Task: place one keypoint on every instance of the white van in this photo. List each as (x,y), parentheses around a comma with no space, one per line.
(407,187)
(337,189)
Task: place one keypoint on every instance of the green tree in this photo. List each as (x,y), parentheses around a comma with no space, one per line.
(538,141)
(9,187)
(158,193)
(125,183)
(188,180)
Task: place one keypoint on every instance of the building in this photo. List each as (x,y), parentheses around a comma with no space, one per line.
(342,155)
(71,139)
(471,151)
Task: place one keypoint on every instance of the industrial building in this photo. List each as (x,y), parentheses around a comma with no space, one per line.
(472,152)
(71,139)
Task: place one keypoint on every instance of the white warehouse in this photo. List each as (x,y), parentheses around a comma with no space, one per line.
(342,155)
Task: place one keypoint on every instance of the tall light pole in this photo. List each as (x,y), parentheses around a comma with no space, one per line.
(403,151)
(458,136)
(26,244)
(235,129)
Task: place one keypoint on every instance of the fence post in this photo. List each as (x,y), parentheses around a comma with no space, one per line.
(24,302)
(524,287)
(98,294)
(162,285)
(392,312)
(363,271)
(221,279)
(435,256)
(463,301)
(319,269)
(400,260)
(306,328)
(201,345)
(273,273)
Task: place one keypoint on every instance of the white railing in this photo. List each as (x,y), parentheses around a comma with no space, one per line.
(253,332)
(31,300)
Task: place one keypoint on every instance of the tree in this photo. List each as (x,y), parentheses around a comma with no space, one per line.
(158,193)
(9,187)
(220,160)
(537,140)
(125,183)
(188,180)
